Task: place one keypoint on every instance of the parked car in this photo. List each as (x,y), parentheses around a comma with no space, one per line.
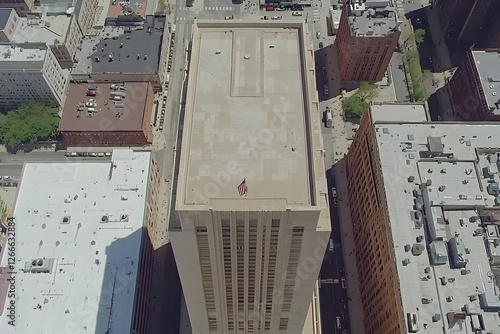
(296,13)
(8,177)
(270,9)
(325,89)
(335,203)
(276,17)
(230,17)
(279,8)
(334,192)
(318,34)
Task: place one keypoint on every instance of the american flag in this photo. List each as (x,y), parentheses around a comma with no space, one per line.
(242,188)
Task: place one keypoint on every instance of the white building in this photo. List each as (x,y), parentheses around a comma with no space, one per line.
(249,260)
(80,248)
(442,200)
(29,72)
(8,23)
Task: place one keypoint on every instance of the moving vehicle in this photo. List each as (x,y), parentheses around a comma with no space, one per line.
(330,246)
(335,203)
(326,90)
(334,192)
(339,324)
(324,71)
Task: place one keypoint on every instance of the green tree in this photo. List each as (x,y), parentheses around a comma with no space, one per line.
(419,36)
(416,76)
(367,91)
(29,123)
(162,7)
(354,106)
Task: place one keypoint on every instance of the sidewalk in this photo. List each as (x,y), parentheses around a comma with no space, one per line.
(349,252)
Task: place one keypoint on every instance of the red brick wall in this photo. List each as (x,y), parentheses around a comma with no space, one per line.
(466,93)
(363,58)
(105,138)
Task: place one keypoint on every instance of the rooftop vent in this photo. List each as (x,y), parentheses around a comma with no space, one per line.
(442,188)
(38,266)
(104,219)
(66,220)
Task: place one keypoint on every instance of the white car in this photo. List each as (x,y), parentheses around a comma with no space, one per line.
(229,17)
(276,18)
(318,34)
(8,177)
(296,14)
(326,90)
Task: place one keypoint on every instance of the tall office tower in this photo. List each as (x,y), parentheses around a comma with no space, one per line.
(474,88)
(367,36)
(424,201)
(251,197)
(471,22)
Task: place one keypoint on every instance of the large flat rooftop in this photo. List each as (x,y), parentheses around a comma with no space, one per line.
(42,28)
(102,113)
(437,180)
(247,114)
(488,68)
(81,224)
(26,56)
(369,19)
(133,50)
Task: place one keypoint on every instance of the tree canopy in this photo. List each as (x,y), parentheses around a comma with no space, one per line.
(29,123)
(356,105)
(367,91)
(419,36)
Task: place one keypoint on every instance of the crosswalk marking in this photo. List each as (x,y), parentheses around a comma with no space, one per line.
(227,9)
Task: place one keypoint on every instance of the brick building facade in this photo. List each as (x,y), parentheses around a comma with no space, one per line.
(364,52)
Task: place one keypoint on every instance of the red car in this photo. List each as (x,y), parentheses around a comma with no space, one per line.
(91,93)
(270,9)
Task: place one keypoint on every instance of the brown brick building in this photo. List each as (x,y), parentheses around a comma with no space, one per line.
(108,114)
(372,236)
(471,22)
(366,39)
(474,88)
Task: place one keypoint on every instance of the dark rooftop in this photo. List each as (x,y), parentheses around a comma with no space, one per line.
(107,117)
(4,16)
(134,51)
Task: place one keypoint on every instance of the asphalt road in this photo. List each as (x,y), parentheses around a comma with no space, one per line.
(332,295)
